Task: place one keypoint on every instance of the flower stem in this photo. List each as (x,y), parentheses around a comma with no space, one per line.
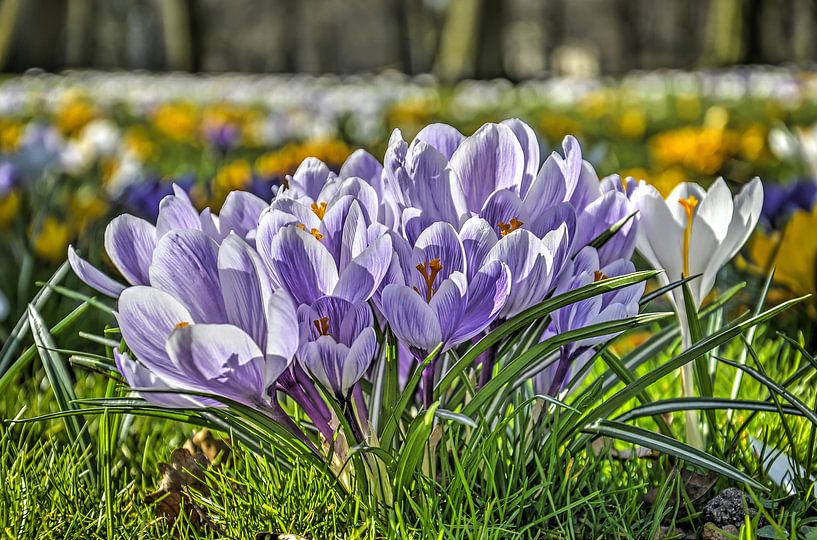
(488,359)
(692,426)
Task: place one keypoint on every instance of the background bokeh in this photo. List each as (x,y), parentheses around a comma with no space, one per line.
(452,39)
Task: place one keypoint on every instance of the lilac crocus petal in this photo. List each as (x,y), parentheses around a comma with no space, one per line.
(185,264)
(440,241)
(364,274)
(324,359)
(210,225)
(310,177)
(530,149)
(176,212)
(488,160)
(363,193)
(334,220)
(358,359)
(146,318)
(282,325)
(486,296)
(220,359)
(130,243)
(410,318)
(92,276)
(353,237)
(448,303)
(442,137)
(478,237)
(549,187)
(587,188)
(552,218)
(571,165)
(362,164)
(301,264)
(244,287)
(413,222)
(138,376)
(240,213)
(598,217)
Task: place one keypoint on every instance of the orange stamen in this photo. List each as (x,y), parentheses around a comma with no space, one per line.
(507,228)
(314,232)
(598,276)
(319,209)
(322,325)
(182,324)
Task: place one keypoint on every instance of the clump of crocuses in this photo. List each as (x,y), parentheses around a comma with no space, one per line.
(423,253)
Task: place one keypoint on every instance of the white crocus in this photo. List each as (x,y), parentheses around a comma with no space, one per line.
(694,232)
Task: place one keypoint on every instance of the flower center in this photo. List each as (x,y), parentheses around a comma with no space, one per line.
(182,324)
(319,209)
(507,228)
(598,275)
(689,205)
(322,325)
(429,272)
(313,231)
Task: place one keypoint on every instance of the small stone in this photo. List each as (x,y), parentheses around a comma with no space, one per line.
(727,509)
(713,532)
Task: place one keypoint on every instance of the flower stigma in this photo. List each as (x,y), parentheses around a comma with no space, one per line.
(429,272)
(689,205)
(313,231)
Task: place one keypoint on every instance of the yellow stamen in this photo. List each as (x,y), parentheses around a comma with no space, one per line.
(182,324)
(598,276)
(313,231)
(507,228)
(429,272)
(319,209)
(322,325)
(689,204)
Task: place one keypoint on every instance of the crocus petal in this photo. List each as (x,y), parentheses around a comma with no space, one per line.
(358,359)
(364,274)
(176,213)
(530,149)
(487,294)
(138,376)
(478,237)
(410,318)
(310,177)
(442,137)
(362,164)
(548,188)
(185,265)
(146,317)
(92,276)
(324,359)
(490,159)
(529,262)
(502,207)
(354,235)
(244,286)
(302,265)
(661,237)
(448,303)
(130,242)
(220,359)
(240,213)
(363,193)
(282,326)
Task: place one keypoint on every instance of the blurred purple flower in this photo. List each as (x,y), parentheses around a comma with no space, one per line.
(780,200)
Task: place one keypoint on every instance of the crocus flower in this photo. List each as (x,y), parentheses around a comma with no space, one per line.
(695,231)
(586,268)
(437,298)
(131,241)
(333,256)
(210,322)
(339,342)
(781,201)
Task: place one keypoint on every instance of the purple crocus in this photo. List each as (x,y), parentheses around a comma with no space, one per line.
(131,241)
(438,298)
(780,201)
(584,269)
(338,342)
(336,255)
(210,322)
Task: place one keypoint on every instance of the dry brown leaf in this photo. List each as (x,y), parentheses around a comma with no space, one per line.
(184,473)
(216,450)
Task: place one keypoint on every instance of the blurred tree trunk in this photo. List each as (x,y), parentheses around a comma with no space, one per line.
(9,15)
(77,32)
(176,29)
(490,43)
(803,32)
(724,33)
(456,57)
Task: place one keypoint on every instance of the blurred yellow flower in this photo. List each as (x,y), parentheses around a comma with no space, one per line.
(595,104)
(9,207)
(632,123)
(179,121)
(688,106)
(137,140)
(11,132)
(753,142)
(230,177)
(795,257)
(554,127)
(702,150)
(86,206)
(51,241)
(72,115)
(284,161)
